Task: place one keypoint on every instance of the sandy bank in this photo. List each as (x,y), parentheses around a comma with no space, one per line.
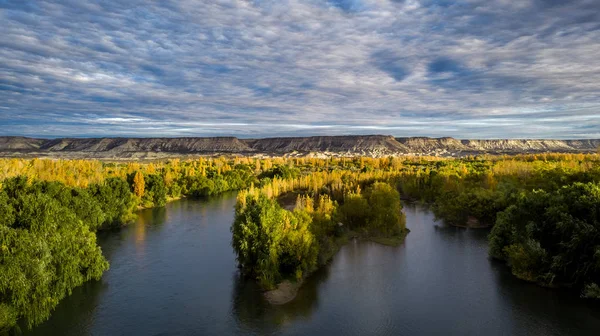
(285,292)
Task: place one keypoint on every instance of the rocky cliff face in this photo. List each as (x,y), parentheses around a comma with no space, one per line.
(368,145)
(359,144)
(428,145)
(19,143)
(171,145)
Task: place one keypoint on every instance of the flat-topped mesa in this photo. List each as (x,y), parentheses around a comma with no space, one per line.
(426,144)
(351,144)
(169,145)
(584,144)
(10,143)
(524,145)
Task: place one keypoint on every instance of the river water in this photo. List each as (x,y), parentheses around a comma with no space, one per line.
(173,272)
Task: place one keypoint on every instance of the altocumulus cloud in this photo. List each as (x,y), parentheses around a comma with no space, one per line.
(471,68)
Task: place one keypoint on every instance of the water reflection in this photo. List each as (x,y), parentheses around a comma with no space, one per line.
(543,311)
(148,219)
(173,272)
(74,314)
(254,313)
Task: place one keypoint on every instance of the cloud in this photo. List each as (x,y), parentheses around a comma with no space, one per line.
(391,63)
(469,68)
(348,5)
(445,65)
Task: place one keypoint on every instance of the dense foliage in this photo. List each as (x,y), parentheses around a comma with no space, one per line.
(545,209)
(553,237)
(48,247)
(270,240)
(273,243)
(151,183)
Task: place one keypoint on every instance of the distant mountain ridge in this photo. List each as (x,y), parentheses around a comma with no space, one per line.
(354,145)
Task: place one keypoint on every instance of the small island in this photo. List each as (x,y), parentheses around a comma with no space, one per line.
(279,245)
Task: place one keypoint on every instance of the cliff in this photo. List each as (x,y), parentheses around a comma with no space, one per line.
(367,145)
(349,144)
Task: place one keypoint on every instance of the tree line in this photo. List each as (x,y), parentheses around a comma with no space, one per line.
(544,210)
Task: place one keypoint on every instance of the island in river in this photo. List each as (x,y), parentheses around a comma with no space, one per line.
(280,248)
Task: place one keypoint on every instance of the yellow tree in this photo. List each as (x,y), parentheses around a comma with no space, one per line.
(138,184)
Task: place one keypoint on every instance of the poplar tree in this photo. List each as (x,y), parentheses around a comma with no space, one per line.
(138,184)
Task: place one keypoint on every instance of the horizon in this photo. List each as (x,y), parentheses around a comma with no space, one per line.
(306,136)
(265,68)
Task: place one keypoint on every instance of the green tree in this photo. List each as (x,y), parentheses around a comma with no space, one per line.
(354,211)
(116,201)
(552,237)
(272,243)
(385,210)
(46,252)
(156,191)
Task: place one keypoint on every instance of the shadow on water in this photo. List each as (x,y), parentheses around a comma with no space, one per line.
(544,311)
(254,314)
(74,313)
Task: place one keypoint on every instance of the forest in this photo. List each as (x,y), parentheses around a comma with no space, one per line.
(292,214)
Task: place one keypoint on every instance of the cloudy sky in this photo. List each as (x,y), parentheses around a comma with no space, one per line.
(249,68)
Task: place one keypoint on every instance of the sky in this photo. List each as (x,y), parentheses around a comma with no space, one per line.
(260,68)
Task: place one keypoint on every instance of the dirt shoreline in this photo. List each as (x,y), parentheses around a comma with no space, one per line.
(285,292)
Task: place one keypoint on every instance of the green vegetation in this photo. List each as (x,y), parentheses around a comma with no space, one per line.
(536,203)
(544,208)
(273,244)
(552,237)
(270,240)
(545,212)
(47,228)
(48,248)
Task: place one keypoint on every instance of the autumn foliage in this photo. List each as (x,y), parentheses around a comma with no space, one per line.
(545,211)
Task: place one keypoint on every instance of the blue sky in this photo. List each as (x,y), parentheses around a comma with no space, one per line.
(256,68)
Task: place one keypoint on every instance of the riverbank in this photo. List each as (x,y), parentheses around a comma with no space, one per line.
(285,292)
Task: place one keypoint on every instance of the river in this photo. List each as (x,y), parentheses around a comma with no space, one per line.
(173,272)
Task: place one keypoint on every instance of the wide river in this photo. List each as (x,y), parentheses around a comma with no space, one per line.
(173,272)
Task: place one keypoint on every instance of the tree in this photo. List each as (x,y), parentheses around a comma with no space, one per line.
(138,184)
(272,243)
(354,211)
(46,251)
(156,191)
(552,237)
(385,210)
(116,201)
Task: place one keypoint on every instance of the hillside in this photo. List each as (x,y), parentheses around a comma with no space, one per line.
(373,145)
(368,145)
